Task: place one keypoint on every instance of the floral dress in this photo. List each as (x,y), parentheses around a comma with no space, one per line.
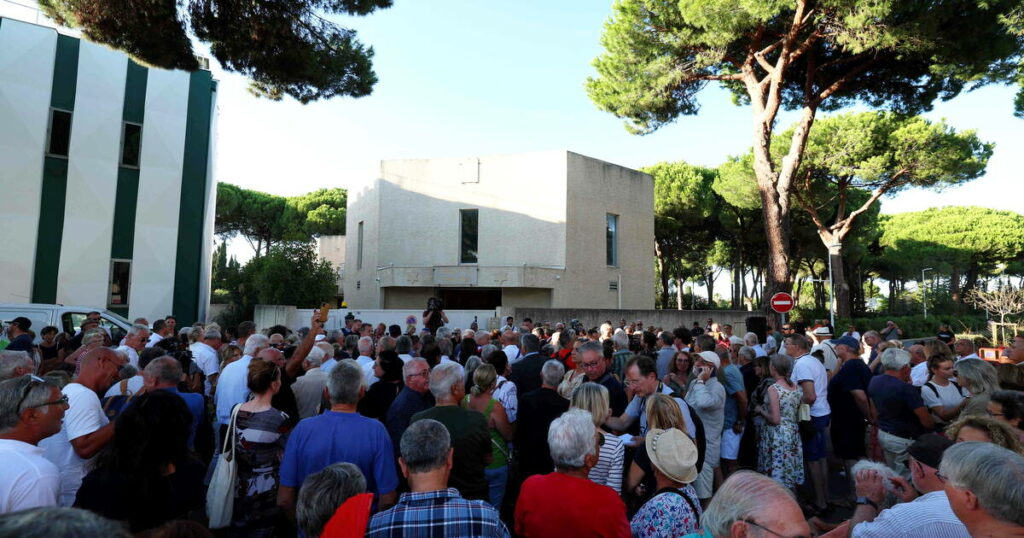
(780,451)
(259,445)
(668,514)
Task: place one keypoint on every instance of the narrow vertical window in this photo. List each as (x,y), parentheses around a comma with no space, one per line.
(120,282)
(611,239)
(359,247)
(469,221)
(131,142)
(59,133)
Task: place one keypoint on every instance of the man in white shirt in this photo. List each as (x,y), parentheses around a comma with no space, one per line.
(309,387)
(707,397)
(232,383)
(403,346)
(809,374)
(365,359)
(35,407)
(207,359)
(926,516)
(160,331)
(918,365)
(965,350)
(86,429)
(510,341)
(510,325)
(134,342)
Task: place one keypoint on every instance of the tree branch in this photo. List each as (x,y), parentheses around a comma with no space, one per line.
(837,85)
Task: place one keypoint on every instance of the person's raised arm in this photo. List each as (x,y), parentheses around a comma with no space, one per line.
(294,365)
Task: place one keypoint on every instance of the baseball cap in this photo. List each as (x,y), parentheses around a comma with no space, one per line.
(712,357)
(848,341)
(928,449)
(673,453)
(23,322)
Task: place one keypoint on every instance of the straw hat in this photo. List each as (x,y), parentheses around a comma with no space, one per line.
(673,453)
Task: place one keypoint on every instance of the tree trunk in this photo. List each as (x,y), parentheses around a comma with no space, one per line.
(841,287)
(709,282)
(892,294)
(663,273)
(680,304)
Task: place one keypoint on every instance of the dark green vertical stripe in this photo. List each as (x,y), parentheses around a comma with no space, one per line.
(193,197)
(55,178)
(123,241)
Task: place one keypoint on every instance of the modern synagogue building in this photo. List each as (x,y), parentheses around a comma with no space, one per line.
(106,183)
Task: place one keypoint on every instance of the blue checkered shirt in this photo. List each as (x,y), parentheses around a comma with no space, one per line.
(436,514)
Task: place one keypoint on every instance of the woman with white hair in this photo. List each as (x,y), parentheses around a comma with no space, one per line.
(593,398)
(550,504)
(981,379)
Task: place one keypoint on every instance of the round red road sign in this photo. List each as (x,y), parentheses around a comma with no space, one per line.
(781,302)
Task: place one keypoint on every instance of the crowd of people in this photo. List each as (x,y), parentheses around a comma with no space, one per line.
(540,429)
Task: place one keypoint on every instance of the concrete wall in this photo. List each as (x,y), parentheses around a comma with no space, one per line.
(666,319)
(332,249)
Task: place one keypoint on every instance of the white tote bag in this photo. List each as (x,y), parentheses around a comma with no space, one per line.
(220,497)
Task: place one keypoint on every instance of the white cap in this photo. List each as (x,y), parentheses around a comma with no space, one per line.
(712,357)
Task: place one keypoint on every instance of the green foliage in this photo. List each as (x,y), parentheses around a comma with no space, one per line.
(685,213)
(265,219)
(659,54)
(290,274)
(286,47)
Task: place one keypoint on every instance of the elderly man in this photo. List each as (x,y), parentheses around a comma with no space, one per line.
(471,438)
(164,373)
(86,429)
(340,434)
(414,398)
(751,504)
(15,364)
(902,415)
(309,388)
(432,508)
(595,366)
(707,397)
(924,516)
(17,333)
(510,341)
(537,409)
(134,343)
(206,358)
(871,341)
(552,504)
(365,359)
(666,353)
(403,346)
(232,385)
(31,409)
(526,371)
(810,375)
(642,380)
(848,402)
(622,354)
(965,350)
(987,507)
(918,365)
(323,493)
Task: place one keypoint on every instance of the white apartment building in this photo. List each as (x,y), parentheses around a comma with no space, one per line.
(552,229)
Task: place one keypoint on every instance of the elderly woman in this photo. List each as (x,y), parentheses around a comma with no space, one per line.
(567,498)
(593,398)
(902,415)
(981,379)
(780,451)
(986,430)
(573,377)
(1008,406)
(675,509)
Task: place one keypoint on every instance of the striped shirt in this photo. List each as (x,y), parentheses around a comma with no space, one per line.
(437,514)
(928,516)
(608,471)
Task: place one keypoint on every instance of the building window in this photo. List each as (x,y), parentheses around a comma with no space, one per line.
(611,240)
(359,247)
(469,221)
(131,143)
(120,281)
(59,133)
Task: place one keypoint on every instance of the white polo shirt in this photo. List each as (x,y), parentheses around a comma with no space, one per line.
(27,479)
(84,416)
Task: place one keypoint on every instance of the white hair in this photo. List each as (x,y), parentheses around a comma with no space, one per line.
(211,333)
(992,473)
(552,372)
(327,348)
(744,495)
(894,359)
(137,328)
(365,345)
(620,339)
(750,339)
(882,469)
(444,376)
(409,367)
(571,438)
(315,357)
(254,344)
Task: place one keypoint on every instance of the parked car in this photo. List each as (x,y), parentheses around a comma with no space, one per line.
(66,318)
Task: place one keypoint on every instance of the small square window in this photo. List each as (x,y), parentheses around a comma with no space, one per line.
(131,144)
(59,133)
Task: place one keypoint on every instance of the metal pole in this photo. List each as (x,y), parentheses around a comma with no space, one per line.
(831,288)
(924,292)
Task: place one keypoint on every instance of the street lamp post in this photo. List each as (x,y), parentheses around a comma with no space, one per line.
(924,292)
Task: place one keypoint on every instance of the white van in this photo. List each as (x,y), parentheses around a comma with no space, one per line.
(66,318)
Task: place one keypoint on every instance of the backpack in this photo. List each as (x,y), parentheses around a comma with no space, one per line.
(113,405)
(959,389)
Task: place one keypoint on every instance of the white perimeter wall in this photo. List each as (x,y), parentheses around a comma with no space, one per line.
(93,159)
(156,218)
(26,66)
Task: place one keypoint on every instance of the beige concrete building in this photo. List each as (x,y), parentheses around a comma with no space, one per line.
(550,230)
(332,249)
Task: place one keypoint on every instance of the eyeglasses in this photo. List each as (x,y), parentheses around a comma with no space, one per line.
(769,531)
(33,381)
(63,400)
(424,373)
(590,365)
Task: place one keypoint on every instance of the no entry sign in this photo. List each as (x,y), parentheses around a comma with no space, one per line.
(781,302)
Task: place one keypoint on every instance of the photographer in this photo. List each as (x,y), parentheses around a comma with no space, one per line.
(434,316)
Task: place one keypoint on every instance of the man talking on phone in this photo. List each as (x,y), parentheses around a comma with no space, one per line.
(707,396)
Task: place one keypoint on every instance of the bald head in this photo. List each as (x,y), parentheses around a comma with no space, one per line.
(273,355)
(98,369)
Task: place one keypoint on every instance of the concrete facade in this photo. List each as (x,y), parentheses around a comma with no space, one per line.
(332,249)
(541,234)
(111,207)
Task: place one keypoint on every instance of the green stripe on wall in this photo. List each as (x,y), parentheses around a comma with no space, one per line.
(193,197)
(135,93)
(55,178)
(123,241)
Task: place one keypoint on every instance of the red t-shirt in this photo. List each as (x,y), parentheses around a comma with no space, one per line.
(557,504)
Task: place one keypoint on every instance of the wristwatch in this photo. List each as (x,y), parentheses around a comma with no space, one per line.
(867,501)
